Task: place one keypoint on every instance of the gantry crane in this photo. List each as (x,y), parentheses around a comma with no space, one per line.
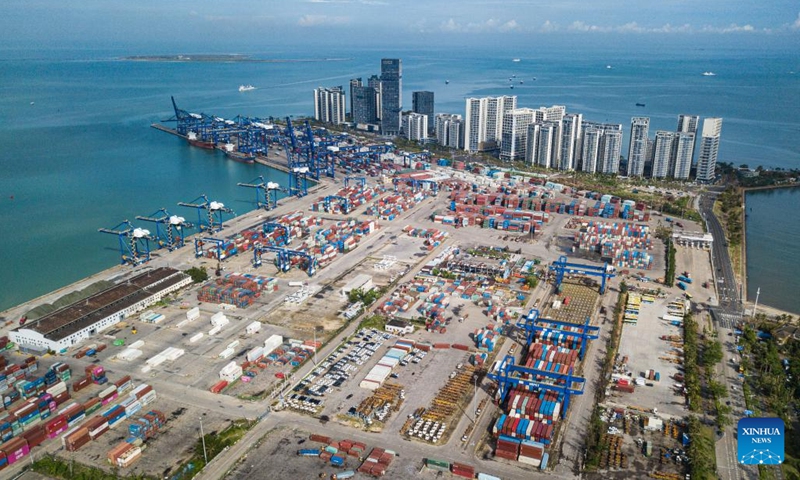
(213,213)
(165,224)
(344,203)
(360,181)
(532,323)
(270,227)
(417,184)
(283,258)
(266,192)
(199,249)
(562,266)
(134,243)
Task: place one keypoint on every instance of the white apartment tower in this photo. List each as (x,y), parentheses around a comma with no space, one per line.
(329,105)
(611,148)
(709,149)
(637,153)
(570,141)
(663,153)
(546,148)
(683,152)
(689,124)
(449,130)
(483,121)
(515,133)
(415,126)
(591,148)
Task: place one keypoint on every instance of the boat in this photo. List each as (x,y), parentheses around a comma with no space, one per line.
(521,82)
(640,104)
(447,82)
(709,74)
(534,78)
(516,60)
(511,87)
(246,88)
(609,67)
(196,141)
(233,154)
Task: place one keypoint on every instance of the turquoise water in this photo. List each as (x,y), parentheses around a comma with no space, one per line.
(773,254)
(83,155)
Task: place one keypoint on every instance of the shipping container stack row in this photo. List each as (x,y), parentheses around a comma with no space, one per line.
(433,237)
(337,453)
(486,338)
(550,358)
(524,451)
(341,237)
(142,429)
(377,462)
(390,206)
(355,195)
(625,244)
(237,289)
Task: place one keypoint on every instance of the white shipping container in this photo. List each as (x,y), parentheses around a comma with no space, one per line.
(272,343)
(108,391)
(226,353)
(219,320)
(137,344)
(173,353)
(156,360)
(214,331)
(253,328)
(129,354)
(233,344)
(181,323)
(149,398)
(193,314)
(56,389)
(255,354)
(197,336)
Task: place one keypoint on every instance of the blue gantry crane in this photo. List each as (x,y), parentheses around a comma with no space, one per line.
(417,184)
(170,229)
(562,266)
(360,181)
(532,323)
(209,213)
(266,192)
(134,243)
(200,246)
(320,163)
(508,375)
(270,227)
(283,258)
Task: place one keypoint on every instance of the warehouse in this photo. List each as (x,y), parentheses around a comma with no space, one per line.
(67,326)
(361,282)
(693,239)
(399,327)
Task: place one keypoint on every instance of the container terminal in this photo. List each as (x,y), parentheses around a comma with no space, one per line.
(325,308)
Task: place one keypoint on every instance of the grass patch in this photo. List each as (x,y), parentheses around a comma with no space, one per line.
(215,443)
(701,450)
(378,322)
(55,467)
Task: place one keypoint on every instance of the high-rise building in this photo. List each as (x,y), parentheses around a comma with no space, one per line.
(532,143)
(637,153)
(329,105)
(364,108)
(709,149)
(545,155)
(354,82)
(450,130)
(663,153)
(391,95)
(415,126)
(515,133)
(601,145)
(483,122)
(611,148)
(689,124)
(570,140)
(422,102)
(375,82)
(683,151)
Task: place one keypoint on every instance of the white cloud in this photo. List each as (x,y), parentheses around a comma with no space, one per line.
(581,26)
(732,28)
(796,24)
(315,20)
(509,26)
(490,25)
(549,26)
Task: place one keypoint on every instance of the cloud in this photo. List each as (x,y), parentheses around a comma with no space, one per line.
(316,20)
(732,28)
(490,25)
(581,26)
(549,26)
(796,24)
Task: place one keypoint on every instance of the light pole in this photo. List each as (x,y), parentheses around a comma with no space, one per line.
(203,438)
(758,292)
(474,399)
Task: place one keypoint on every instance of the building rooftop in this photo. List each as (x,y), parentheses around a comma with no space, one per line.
(83,313)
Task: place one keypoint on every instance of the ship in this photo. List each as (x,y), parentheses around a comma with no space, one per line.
(233,154)
(196,141)
(709,74)
(511,87)
(609,67)
(447,82)
(640,104)
(246,88)
(516,60)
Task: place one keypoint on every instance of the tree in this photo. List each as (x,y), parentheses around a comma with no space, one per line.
(713,354)
(531,281)
(198,274)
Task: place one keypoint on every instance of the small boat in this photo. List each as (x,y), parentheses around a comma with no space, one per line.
(534,79)
(246,88)
(640,104)
(709,74)
(521,82)
(516,60)
(609,67)
(511,87)
(513,76)
(196,141)
(447,82)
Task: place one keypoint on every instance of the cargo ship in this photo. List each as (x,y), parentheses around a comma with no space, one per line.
(246,88)
(196,141)
(233,154)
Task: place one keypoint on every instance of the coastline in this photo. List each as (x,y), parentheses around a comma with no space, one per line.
(745,302)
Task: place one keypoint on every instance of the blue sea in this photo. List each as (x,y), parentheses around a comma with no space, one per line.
(78,152)
(772,229)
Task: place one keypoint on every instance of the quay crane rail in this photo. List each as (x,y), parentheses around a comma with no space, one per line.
(214,210)
(562,266)
(165,224)
(134,243)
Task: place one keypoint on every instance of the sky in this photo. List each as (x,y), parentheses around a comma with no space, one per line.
(114,23)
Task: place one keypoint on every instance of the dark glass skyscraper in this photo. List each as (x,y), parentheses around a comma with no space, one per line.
(364,110)
(422,102)
(391,95)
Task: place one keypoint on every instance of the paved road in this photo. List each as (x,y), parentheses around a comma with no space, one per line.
(727,286)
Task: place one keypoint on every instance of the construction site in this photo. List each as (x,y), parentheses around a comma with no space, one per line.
(416,316)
